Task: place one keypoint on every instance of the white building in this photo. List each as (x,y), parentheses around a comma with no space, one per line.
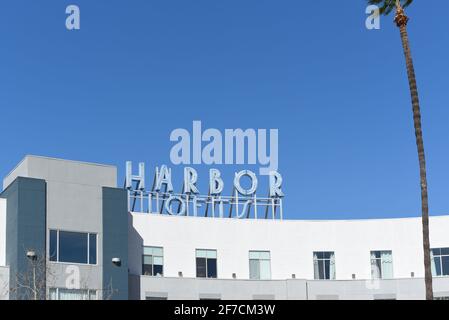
(73,214)
(351,259)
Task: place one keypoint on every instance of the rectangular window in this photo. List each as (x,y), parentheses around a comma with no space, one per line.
(153,261)
(73,247)
(72,294)
(381,265)
(92,248)
(156,298)
(206,263)
(53,245)
(324,265)
(440,262)
(260,265)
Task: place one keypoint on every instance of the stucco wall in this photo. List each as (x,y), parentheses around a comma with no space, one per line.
(74,202)
(293,289)
(291,244)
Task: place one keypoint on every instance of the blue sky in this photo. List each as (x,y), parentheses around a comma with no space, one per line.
(338,93)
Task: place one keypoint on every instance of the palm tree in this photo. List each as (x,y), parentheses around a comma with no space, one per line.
(386,6)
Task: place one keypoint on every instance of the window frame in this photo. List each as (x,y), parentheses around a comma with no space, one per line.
(323,260)
(87,233)
(440,256)
(206,263)
(152,261)
(88,293)
(381,264)
(259,260)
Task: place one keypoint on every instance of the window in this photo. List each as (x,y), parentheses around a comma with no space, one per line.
(156,298)
(259,265)
(92,248)
(72,294)
(73,247)
(441,298)
(153,261)
(53,245)
(206,263)
(324,265)
(381,265)
(156,295)
(440,262)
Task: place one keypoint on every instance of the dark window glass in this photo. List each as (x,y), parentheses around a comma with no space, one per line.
(158,270)
(321,269)
(147,265)
(92,248)
(327,269)
(53,245)
(436,252)
(147,270)
(156,298)
(201,267)
(445,262)
(72,247)
(211,268)
(445,251)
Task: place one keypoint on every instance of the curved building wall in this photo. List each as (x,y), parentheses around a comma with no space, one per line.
(291,244)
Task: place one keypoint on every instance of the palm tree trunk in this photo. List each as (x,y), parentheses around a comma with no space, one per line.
(401,20)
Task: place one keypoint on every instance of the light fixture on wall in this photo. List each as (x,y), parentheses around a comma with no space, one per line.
(293,276)
(353,276)
(234,276)
(117,262)
(31,254)
(180,274)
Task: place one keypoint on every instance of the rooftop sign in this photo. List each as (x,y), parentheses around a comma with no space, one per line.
(243,203)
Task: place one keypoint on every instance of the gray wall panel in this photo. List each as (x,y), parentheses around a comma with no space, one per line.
(25,228)
(115,242)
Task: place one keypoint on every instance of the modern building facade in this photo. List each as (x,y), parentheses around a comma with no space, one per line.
(65,227)
(72,216)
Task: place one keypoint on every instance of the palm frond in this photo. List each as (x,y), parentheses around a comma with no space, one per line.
(386,6)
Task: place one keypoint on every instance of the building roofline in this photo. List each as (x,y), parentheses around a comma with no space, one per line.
(58,159)
(290,220)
